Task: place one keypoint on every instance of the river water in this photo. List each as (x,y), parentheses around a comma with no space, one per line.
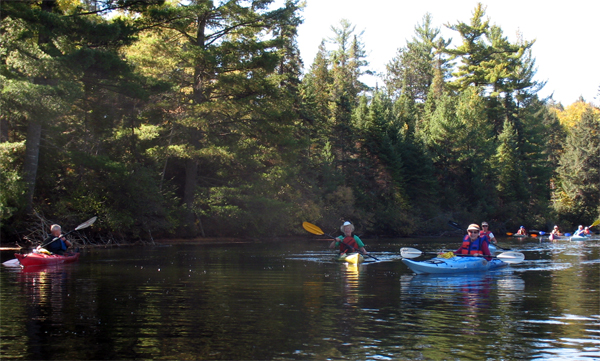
(287,300)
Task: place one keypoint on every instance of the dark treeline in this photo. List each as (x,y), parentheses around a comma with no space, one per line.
(194,118)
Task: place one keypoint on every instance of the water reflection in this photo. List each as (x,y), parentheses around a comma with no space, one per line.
(350,283)
(291,301)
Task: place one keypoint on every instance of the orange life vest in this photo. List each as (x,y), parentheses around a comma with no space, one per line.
(474,247)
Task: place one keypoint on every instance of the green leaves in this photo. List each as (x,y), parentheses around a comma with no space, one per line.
(577,195)
(487,58)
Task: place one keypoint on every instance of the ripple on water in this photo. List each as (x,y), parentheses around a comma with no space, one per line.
(541,265)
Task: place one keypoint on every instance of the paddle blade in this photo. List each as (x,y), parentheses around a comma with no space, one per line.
(542,233)
(511,257)
(533,235)
(86,224)
(454,225)
(596,222)
(312,228)
(509,234)
(408,252)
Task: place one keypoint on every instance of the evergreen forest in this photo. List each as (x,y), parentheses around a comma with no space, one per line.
(199,118)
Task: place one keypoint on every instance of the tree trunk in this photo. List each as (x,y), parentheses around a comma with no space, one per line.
(189,192)
(3,130)
(32,155)
(34,128)
(191,165)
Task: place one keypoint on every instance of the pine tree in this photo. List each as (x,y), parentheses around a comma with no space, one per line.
(511,176)
(411,72)
(51,52)
(577,196)
(235,68)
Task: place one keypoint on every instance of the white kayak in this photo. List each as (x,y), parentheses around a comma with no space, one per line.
(583,238)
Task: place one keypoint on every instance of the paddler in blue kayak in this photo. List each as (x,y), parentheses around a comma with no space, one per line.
(56,243)
(475,243)
(347,242)
(486,232)
(580,231)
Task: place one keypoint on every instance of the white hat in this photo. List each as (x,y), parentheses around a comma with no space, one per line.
(346,224)
(473,227)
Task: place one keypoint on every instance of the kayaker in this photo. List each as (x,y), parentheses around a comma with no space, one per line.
(580,231)
(522,231)
(486,232)
(56,243)
(474,243)
(556,231)
(347,242)
(587,232)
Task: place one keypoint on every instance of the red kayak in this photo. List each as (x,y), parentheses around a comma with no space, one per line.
(41,259)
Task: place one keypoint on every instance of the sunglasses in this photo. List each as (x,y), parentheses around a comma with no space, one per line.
(486,226)
(474,232)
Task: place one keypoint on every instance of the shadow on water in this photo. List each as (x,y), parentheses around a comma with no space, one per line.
(290,300)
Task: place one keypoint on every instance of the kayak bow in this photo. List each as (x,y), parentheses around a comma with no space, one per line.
(353,258)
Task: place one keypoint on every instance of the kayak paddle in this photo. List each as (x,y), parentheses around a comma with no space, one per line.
(85,224)
(508,257)
(318,231)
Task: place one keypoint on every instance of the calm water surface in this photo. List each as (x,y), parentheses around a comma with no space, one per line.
(287,300)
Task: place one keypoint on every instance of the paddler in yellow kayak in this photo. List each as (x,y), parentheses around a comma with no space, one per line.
(347,242)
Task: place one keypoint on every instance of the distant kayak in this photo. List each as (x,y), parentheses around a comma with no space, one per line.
(452,265)
(520,235)
(40,259)
(353,258)
(583,238)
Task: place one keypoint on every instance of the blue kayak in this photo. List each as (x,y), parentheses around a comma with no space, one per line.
(459,264)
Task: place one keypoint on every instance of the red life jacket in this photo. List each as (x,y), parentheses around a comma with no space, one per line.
(347,243)
(485,233)
(474,247)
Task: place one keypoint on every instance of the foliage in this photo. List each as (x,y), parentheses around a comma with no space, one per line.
(577,195)
(193,118)
(573,113)
(12,188)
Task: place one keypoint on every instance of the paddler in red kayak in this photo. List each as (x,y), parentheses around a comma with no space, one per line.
(475,243)
(348,243)
(56,242)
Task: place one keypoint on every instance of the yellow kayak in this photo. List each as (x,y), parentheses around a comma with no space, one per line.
(353,258)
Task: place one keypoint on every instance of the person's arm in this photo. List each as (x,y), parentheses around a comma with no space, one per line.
(492,238)
(485,248)
(67,242)
(361,245)
(335,242)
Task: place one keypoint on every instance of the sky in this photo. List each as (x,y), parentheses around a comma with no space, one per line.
(566,34)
